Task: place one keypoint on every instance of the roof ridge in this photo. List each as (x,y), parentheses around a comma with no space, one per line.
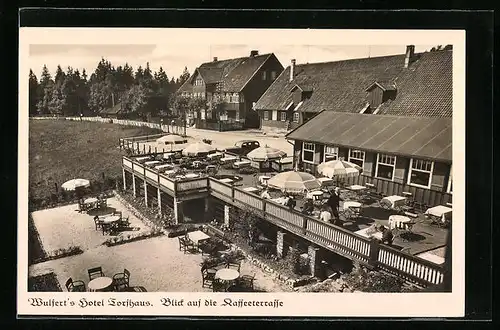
(236,58)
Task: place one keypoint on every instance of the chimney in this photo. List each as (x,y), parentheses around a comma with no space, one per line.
(410,54)
(292,69)
(215,58)
(254,53)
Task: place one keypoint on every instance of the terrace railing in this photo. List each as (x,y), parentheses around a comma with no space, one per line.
(334,238)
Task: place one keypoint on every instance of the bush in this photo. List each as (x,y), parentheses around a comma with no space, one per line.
(361,279)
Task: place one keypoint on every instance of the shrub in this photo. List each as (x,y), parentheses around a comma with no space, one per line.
(361,279)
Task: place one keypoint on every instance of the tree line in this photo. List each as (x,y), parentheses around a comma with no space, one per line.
(71,93)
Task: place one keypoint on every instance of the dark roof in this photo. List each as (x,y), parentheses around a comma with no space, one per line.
(113,110)
(233,74)
(419,137)
(423,89)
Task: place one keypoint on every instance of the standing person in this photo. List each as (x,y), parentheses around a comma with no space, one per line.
(308,207)
(334,202)
(387,236)
(291,202)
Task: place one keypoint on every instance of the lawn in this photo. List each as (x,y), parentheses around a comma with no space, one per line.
(61,150)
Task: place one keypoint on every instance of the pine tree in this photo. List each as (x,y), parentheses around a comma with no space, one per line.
(44,91)
(184,76)
(33,94)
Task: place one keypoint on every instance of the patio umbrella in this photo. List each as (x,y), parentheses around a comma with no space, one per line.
(171,139)
(294,182)
(75,183)
(339,168)
(262,154)
(195,149)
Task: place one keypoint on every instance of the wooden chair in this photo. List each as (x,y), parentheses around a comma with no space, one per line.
(182,243)
(218,286)
(107,228)
(247,281)
(124,222)
(121,280)
(75,286)
(95,273)
(188,245)
(98,223)
(208,277)
(232,265)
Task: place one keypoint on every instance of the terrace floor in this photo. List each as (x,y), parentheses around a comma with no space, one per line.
(155,263)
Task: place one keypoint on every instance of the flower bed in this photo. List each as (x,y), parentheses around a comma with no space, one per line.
(61,253)
(118,240)
(44,283)
(35,247)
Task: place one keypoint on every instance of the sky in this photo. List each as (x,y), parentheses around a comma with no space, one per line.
(174,57)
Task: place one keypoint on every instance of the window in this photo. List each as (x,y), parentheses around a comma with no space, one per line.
(357,157)
(386,165)
(266,115)
(420,173)
(235,98)
(308,152)
(273,75)
(331,153)
(283,116)
(296,117)
(264,75)
(237,116)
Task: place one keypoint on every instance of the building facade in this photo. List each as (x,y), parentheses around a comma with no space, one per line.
(410,84)
(231,87)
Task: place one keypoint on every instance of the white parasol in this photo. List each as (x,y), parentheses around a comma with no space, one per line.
(196,149)
(339,168)
(262,154)
(294,182)
(75,183)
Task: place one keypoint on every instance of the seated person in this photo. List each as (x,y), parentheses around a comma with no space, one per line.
(387,236)
(291,202)
(308,207)
(265,194)
(325,215)
(285,200)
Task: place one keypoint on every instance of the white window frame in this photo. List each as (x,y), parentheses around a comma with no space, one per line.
(356,158)
(273,75)
(336,152)
(411,169)
(385,164)
(296,117)
(282,116)
(450,179)
(313,150)
(266,115)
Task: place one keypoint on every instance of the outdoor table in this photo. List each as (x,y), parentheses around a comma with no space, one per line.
(398,221)
(241,164)
(366,233)
(91,202)
(349,204)
(226,180)
(169,172)
(141,159)
(263,179)
(168,155)
(315,195)
(227,274)
(279,200)
(191,175)
(325,182)
(395,201)
(197,236)
(110,218)
(356,187)
(100,284)
(152,162)
(227,159)
(215,155)
(180,177)
(431,257)
(440,211)
(251,189)
(160,167)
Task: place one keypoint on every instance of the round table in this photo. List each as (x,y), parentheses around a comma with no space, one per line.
(348,205)
(90,200)
(398,221)
(110,219)
(315,195)
(100,283)
(227,274)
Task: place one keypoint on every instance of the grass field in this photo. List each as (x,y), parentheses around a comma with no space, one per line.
(61,150)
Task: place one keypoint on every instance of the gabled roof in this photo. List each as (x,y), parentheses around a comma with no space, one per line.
(384,85)
(423,89)
(419,137)
(233,74)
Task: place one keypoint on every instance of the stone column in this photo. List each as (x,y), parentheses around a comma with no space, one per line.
(227,210)
(124,180)
(281,248)
(133,185)
(314,260)
(146,193)
(159,200)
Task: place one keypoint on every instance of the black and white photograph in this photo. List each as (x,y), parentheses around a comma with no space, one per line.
(182,174)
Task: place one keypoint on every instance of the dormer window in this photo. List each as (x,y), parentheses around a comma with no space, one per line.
(300,94)
(378,93)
